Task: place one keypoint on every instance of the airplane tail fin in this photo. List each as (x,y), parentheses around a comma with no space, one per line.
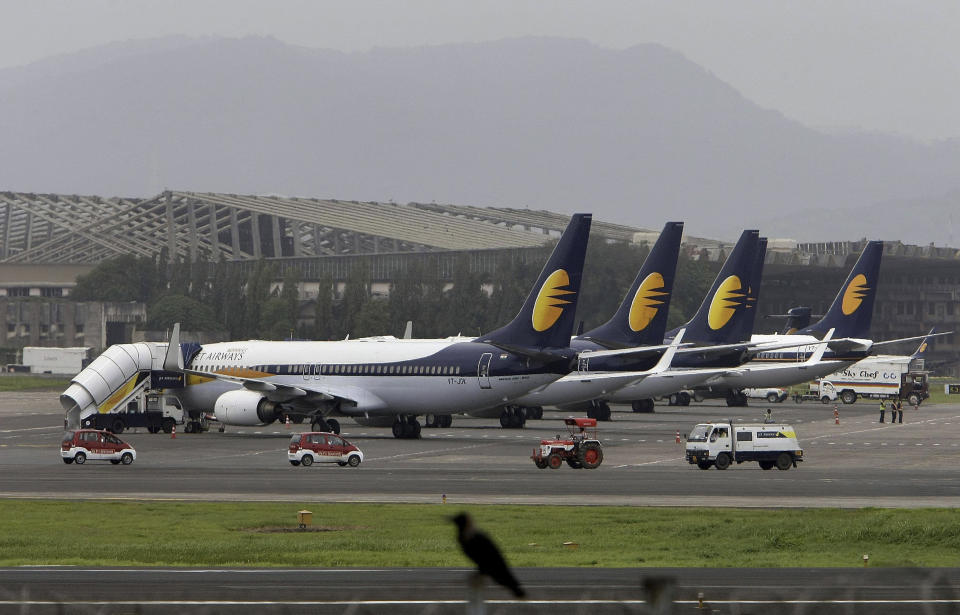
(851,313)
(718,319)
(921,351)
(642,316)
(744,328)
(547,317)
(796,318)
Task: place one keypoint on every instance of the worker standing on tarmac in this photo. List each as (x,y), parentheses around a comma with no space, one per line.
(768,416)
(883,410)
(899,411)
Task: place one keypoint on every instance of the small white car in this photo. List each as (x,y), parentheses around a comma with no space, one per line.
(772,395)
(318,447)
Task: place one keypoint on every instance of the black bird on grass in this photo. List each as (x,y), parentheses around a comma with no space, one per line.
(478,547)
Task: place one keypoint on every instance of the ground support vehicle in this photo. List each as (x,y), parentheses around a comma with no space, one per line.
(153,411)
(581,450)
(772,395)
(880,379)
(79,445)
(824,392)
(322,447)
(720,444)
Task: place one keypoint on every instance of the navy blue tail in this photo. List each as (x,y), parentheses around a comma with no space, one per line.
(547,317)
(797,318)
(642,317)
(852,311)
(744,327)
(718,321)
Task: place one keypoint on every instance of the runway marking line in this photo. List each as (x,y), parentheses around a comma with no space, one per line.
(904,602)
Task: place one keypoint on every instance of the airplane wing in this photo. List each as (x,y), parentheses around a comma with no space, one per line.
(909,339)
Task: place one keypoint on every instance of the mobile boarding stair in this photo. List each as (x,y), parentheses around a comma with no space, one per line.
(116,377)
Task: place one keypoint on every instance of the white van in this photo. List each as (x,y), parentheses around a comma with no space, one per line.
(720,444)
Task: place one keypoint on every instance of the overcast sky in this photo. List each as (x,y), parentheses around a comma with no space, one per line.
(885,65)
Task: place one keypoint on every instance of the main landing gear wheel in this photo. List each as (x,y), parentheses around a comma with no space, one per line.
(642,405)
(599,410)
(437,420)
(513,417)
(327,425)
(736,399)
(535,412)
(406,427)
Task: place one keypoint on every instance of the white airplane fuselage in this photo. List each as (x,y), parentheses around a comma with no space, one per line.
(373,376)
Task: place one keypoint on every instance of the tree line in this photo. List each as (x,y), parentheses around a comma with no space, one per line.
(215,296)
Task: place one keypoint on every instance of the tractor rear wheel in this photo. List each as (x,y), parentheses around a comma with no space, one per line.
(574,463)
(590,455)
(554,461)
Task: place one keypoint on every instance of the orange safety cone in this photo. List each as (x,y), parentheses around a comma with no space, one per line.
(678,437)
(173,432)
(836,416)
(287,422)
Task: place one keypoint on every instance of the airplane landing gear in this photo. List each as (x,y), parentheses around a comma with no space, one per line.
(599,410)
(406,427)
(736,398)
(513,417)
(438,420)
(321,424)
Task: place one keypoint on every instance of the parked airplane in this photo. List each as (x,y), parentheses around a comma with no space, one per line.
(718,323)
(255,382)
(640,320)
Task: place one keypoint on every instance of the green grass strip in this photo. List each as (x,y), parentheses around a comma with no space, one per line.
(394,535)
(17,382)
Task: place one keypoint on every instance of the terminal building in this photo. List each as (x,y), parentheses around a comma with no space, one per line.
(47,240)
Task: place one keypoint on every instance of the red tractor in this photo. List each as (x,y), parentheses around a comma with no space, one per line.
(581,450)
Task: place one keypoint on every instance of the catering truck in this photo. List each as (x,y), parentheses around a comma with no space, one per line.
(878,379)
(720,444)
(884,377)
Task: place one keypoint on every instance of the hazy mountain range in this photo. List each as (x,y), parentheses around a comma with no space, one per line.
(637,136)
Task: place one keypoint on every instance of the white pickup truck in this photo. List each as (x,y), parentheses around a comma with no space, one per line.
(720,444)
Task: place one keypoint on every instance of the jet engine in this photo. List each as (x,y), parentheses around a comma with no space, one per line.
(247,408)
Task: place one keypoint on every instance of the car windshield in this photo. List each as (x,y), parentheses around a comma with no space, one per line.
(699,433)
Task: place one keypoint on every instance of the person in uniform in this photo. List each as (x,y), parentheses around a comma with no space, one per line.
(768,416)
(883,410)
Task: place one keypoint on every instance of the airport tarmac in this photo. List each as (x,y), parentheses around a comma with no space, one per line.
(856,463)
(593,591)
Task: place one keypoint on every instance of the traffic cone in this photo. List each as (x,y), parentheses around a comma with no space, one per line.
(173,432)
(287,422)
(678,437)
(836,416)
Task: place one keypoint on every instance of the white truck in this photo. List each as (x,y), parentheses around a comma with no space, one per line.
(821,390)
(59,361)
(720,444)
(879,378)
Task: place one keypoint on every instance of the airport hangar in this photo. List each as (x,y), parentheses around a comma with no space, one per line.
(47,240)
